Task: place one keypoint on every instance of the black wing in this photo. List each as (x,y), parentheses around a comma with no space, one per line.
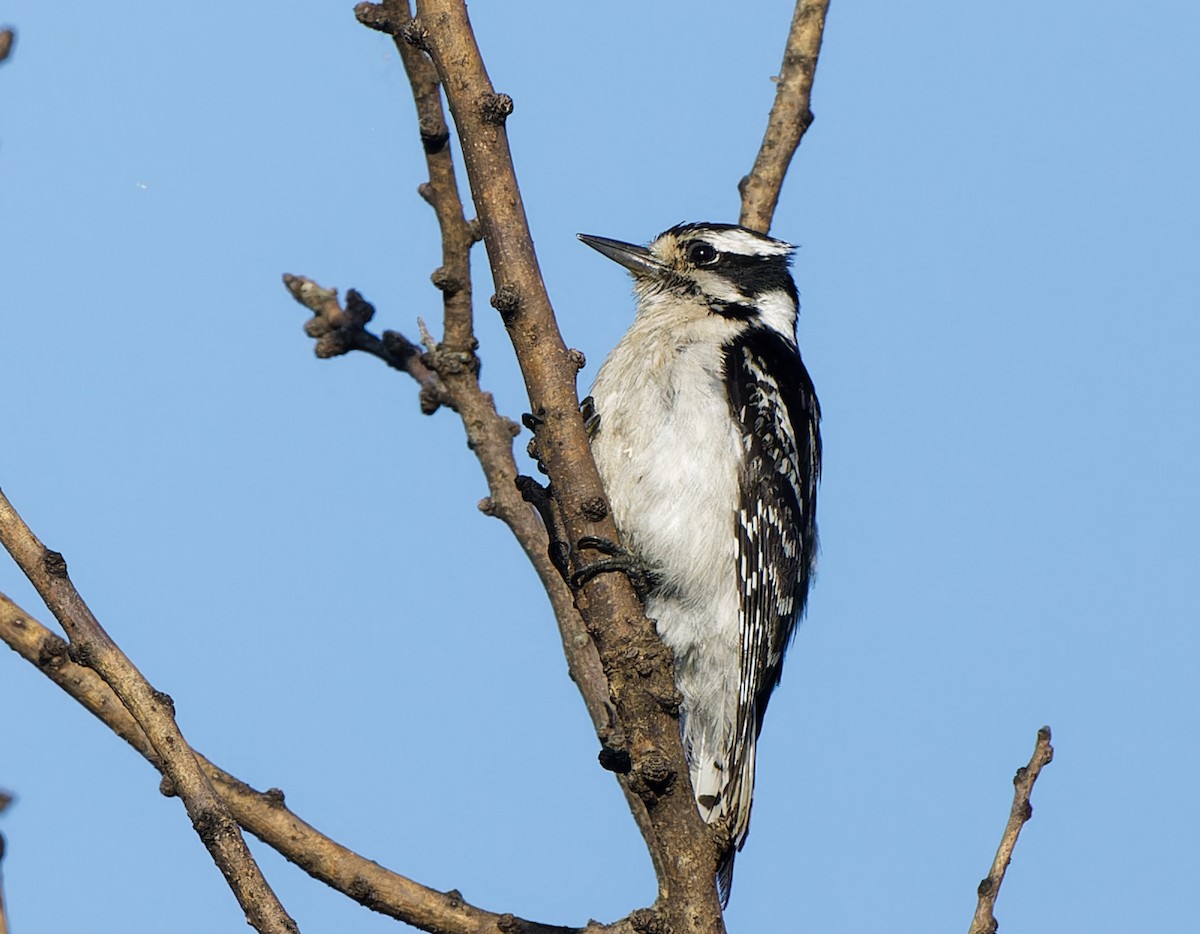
(774,403)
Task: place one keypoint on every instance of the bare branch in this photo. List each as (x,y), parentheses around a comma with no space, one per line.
(339,330)
(489,434)
(154,712)
(984,921)
(453,277)
(791,115)
(637,664)
(7,39)
(264,813)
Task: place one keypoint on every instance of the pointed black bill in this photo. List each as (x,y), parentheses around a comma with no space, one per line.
(637,259)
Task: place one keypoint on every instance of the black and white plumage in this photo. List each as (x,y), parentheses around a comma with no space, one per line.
(708,445)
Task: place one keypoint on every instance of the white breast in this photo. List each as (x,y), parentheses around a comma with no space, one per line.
(669,454)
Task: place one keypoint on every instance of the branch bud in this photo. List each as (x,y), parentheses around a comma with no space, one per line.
(496,108)
(507,301)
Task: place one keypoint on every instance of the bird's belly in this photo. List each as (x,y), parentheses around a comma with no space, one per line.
(671,469)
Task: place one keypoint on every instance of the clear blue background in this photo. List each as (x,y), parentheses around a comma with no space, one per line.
(997,217)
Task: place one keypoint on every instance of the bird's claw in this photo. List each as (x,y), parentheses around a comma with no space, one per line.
(618,559)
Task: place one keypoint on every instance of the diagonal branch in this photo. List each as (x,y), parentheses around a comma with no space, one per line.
(264,813)
(984,921)
(791,116)
(154,713)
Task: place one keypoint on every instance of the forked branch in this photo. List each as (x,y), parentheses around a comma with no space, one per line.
(154,713)
(264,814)
(636,663)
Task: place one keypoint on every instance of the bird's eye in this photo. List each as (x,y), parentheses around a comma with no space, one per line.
(700,253)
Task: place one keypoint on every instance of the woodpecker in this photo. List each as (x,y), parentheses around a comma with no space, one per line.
(706,435)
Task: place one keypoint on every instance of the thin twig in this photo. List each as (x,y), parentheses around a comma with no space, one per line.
(339,330)
(458,234)
(791,115)
(637,665)
(155,713)
(264,814)
(984,921)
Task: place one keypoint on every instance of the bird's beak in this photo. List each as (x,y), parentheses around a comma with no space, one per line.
(637,259)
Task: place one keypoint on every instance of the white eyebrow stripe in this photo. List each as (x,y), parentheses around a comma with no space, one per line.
(745,244)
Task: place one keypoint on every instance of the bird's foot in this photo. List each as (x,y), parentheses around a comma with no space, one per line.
(617,558)
(542,499)
(591,424)
(533,423)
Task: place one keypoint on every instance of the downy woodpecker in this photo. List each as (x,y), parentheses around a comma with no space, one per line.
(706,437)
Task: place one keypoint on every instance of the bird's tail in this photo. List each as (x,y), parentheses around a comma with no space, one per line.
(724,787)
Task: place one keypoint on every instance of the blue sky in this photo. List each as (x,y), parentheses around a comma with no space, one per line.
(997,218)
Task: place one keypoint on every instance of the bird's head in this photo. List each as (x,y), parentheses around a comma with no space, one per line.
(711,269)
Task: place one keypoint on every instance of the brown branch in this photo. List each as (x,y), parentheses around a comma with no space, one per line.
(791,116)
(636,663)
(448,372)
(984,921)
(155,714)
(441,191)
(489,434)
(264,814)
(339,330)
(7,40)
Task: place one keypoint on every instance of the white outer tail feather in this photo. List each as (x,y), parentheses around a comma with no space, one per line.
(724,790)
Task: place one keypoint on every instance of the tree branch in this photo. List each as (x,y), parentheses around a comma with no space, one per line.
(453,277)
(339,330)
(264,813)
(489,435)
(791,116)
(984,921)
(637,664)
(449,372)
(7,39)
(154,712)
